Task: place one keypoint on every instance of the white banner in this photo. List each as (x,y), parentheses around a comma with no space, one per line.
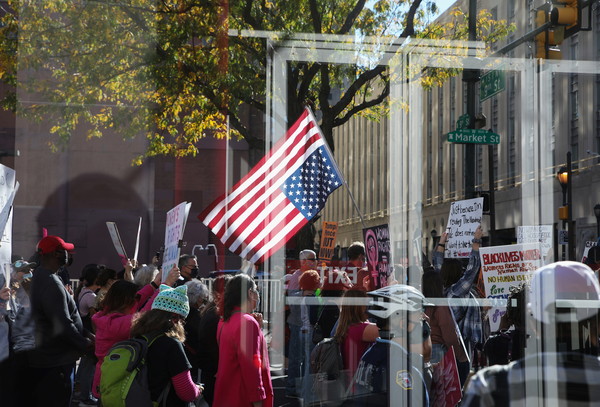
(464,218)
(176,219)
(506,266)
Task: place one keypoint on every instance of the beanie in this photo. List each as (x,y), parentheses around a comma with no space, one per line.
(173,300)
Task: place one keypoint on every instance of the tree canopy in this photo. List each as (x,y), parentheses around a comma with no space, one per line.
(169,70)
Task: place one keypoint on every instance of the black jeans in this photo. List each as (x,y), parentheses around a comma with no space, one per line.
(52,386)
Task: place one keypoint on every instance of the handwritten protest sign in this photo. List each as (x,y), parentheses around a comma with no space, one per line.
(464,218)
(506,266)
(117,242)
(541,234)
(588,246)
(377,247)
(8,189)
(445,386)
(176,220)
(327,240)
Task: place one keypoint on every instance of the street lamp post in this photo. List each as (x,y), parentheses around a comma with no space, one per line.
(563,212)
(597,213)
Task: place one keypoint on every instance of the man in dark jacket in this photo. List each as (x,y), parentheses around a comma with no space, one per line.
(60,336)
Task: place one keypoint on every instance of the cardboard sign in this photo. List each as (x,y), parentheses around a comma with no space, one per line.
(117,242)
(377,248)
(464,218)
(536,234)
(445,385)
(328,240)
(8,189)
(506,266)
(176,220)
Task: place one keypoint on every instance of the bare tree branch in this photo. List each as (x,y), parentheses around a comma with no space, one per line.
(373,102)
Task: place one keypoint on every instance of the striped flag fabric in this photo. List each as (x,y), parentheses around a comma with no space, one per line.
(285,190)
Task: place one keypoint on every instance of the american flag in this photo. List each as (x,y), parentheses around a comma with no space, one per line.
(285,190)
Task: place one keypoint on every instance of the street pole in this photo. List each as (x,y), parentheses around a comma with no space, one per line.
(471,77)
(571,224)
(491,182)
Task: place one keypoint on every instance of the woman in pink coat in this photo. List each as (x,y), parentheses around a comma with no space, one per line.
(113,323)
(243,356)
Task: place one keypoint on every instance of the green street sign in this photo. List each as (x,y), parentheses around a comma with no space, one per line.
(475,136)
(463,121)
(491,83)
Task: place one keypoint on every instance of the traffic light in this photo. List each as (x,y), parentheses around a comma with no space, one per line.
(547,40)
(567,13)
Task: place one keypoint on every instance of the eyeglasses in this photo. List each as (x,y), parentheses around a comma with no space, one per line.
(311,259)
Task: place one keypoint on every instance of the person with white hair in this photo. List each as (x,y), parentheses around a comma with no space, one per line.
(563,305)
(198,297)
(145,274)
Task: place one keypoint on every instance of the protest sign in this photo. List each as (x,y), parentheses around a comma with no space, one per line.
(327,241)
(137,240)
(445,386)
(588,246)
(117,242)
(541,234)
(506,266)
(464,218)
(176,220)
(377,248)
(8,189)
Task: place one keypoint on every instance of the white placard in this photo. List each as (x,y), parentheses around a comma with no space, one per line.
(117,242)
(464,218)
(137,240)
(8,188)
(506,266)
(176,219)
(541,234)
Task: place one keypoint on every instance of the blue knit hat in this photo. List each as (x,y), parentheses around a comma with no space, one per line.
(173,300)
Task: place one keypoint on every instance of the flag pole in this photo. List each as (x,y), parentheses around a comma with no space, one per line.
(362,220)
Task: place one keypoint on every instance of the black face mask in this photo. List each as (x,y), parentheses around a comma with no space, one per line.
(194,272)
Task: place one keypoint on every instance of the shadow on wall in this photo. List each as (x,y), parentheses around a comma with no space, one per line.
(78,211)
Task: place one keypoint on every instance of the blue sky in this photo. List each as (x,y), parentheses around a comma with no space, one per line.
(443,5)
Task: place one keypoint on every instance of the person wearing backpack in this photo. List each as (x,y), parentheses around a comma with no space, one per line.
(354,332)
(243,376)
(113,323)
(168,366)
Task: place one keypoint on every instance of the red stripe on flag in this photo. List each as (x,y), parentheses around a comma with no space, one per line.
(278,242)
(252,193)
(233,218)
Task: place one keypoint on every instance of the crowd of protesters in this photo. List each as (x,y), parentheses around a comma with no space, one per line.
(208,343)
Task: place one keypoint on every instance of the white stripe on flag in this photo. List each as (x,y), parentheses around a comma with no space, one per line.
(275,156)
(275,240)
(253,225)
(259,191)
(273,223)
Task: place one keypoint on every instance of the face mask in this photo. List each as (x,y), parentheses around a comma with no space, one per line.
(257,302)
(27,276)
(194,272)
